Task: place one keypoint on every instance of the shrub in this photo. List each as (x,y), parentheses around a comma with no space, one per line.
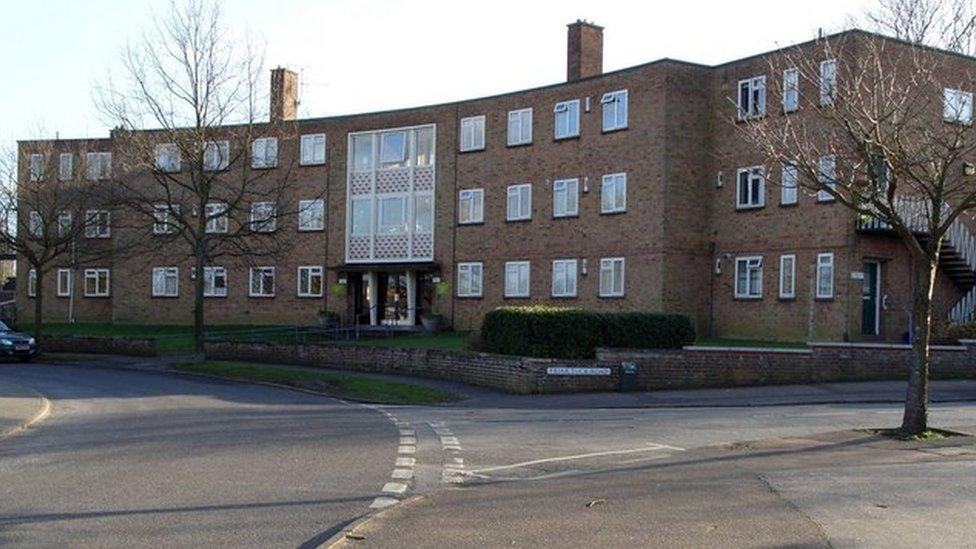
(559,332)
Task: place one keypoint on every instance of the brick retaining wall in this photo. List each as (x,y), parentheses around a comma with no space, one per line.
(133,346)
(697,367)
(512,374)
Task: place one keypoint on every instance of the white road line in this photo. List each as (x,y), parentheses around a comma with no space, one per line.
(407,450)
(395,487)
(650,448)
(402,474)
(381,502)
(408,441)
(408,433)
(450,440)
(405,462)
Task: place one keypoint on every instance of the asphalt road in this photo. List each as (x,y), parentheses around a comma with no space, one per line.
(142,459)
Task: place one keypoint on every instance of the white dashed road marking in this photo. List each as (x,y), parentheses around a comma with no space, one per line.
(403,467)
(453,471)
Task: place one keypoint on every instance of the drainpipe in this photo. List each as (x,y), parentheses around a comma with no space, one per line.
(711,289)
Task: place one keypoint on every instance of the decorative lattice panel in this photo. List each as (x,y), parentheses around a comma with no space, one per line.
(423,246)
(392,246)
(423,178)
(361,183)
(393,181)
(358,247)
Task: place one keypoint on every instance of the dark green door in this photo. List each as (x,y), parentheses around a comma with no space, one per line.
(870,301)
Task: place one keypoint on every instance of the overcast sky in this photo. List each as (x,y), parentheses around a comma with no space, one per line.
(358,56)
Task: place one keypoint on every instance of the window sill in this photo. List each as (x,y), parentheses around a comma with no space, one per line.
(787,299)
(574,296)
(824,299)
(567,216)
(789,204)
(309,296)
(517,145)
(746,208)
(474,297)
(613,212)
(566,138)
(316,230)
(746,298)
(516,297)
(252,296)
(164,297)
(466,151)
(264,168)
(826,200)
(97,296)
(519,220)
(205,296)
(470,223)
(613,296)
(605,131)
(312,164)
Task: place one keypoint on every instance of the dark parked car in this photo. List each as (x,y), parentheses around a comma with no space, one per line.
(16,344)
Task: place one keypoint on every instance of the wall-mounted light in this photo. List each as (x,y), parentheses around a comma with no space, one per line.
(586,184)
(436,280)
(968,169)
(343,280)
(585,265)
(586,103)
(719,180)
(718,265)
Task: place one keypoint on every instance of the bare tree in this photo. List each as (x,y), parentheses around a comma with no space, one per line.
(879,128)
(49,210)
(201,177)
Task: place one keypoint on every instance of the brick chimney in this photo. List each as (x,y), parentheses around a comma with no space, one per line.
(284,94)
(584,52)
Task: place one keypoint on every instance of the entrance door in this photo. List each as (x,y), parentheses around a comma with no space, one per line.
(870,300)
(394,304)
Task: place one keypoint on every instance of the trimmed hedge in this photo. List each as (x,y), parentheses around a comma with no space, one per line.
(560,332)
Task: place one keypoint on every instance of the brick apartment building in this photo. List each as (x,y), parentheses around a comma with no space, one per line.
(627,190)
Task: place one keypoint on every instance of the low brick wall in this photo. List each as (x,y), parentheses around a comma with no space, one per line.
(99,344)
(698,367)
(512,374)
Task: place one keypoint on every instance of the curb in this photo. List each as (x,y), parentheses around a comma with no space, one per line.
(350,528)
(38,417)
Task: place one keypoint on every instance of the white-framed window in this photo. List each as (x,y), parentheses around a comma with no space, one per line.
(163,222)
(36,167)
(787,276)
(471,206)
(64,223)
(567,115)
(473,133)
(217,219)
(35,224)
(752,97)
(264,217)
(97,282)
(612,277)
(750,189)
(311,280)
(216,156)
(391,215)
(362,153)
(517,278)
(827,166)
(519,204)
(791,90)
(613,194)
(469,279)
(788,185)
(614,110)
(98,165)
(98,224)
(564,278)
(828,82)
(311,215)
(423,214)
(313,149)
(262,283)
(565,197)
(957,106)
(214,282)
(825,275)
(32,283)
(66,166)
(168,158)
(393,149)
(520,127)
(748,277)
(165,282)
(361,216)
(264,152)
(65,284)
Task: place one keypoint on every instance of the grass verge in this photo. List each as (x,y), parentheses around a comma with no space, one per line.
(333,384)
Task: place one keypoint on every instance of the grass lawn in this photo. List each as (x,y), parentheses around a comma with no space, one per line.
(334,384)
(730,342)
(176,339)
(445,341)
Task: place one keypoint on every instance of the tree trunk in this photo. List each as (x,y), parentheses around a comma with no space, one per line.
(198,311)
(38,304)
(916,417)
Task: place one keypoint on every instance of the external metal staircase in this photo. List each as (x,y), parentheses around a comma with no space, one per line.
(958,257)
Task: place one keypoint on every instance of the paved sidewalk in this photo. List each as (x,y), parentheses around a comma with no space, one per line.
(842,489)
(19,407)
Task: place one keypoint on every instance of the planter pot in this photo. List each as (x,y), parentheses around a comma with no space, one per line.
(431,323)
